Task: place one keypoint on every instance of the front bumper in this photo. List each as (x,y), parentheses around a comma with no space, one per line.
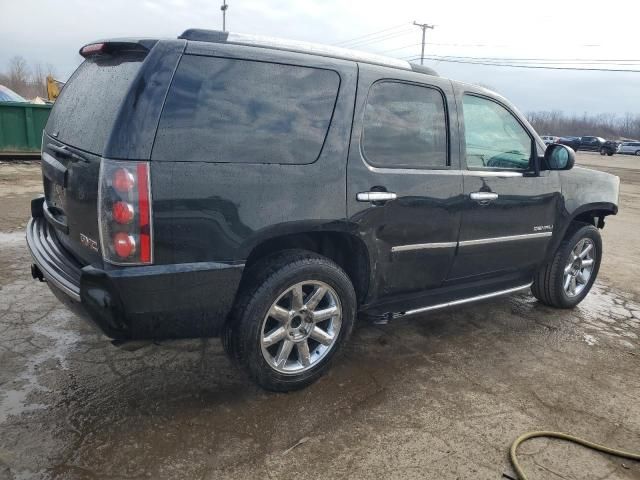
(148,302)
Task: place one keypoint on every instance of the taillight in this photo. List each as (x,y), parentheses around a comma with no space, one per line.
(124,210)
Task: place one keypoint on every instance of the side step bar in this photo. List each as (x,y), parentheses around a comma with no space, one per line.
(383,319)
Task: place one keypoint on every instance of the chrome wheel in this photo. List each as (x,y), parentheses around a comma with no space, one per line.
(580,267)
(301,327)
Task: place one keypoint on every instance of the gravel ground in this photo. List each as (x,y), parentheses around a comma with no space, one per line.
(439,396)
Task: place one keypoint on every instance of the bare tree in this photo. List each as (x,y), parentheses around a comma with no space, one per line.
(39,81)
(18,73)
(607,125)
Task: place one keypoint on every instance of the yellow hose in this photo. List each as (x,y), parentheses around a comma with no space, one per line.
(563,436)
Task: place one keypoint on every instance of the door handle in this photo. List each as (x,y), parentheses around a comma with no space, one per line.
(483,197)
(375,196)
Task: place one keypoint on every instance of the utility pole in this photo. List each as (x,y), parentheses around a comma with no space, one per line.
(424,27)
(224,15)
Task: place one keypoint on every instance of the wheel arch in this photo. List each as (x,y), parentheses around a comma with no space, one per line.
(592,214)
(344,248)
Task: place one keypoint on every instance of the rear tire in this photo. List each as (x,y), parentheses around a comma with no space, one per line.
(278,332)
(567,278)
(638,153)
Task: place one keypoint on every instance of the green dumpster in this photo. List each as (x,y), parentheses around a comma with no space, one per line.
(21,126)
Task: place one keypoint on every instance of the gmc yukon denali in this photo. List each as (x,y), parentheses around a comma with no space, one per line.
(268,192)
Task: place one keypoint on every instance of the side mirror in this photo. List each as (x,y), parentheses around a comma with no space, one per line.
(559,157)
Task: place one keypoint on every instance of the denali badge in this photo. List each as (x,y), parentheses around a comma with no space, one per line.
(88,242)
(542,228)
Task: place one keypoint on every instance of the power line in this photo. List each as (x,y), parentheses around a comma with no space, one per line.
(378,39)
(540,67)
(400,48)
(369,34)
(608,61)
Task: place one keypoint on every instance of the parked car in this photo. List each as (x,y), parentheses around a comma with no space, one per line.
(8,95)
(549,139)
(630,148)
(573,142)
(609,147)
(269,192)
(593,144)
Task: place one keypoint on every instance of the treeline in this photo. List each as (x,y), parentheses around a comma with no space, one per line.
(606,125)
(27,81)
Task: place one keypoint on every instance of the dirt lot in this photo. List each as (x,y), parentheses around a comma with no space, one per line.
(437,397)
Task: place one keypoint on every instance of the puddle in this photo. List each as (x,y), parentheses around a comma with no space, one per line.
(12,239)
(56,342)
(609,316)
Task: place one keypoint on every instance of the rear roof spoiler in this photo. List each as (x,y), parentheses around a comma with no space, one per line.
(117,45)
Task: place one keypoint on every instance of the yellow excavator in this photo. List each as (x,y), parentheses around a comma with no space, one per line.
(53,88)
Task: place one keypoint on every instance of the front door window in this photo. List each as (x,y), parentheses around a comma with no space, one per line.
(494,138)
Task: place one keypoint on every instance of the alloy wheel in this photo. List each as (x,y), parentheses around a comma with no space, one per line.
(578,270)
(301,327)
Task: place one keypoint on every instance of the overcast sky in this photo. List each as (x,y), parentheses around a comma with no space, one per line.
(51,32)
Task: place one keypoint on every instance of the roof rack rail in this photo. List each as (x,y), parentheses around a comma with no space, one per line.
(216,36)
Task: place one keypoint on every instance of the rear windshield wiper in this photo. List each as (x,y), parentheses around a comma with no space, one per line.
(68,152)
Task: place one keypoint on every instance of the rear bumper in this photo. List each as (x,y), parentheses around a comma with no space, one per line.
(56,267)
(149,302)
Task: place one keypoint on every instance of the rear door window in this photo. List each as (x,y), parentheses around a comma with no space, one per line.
(405,126)
(84,113)
(244,111)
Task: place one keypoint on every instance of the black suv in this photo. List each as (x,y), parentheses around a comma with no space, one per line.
(269,192)
(592,144)
(610,148)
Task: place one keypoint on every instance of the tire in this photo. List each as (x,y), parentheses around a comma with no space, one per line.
(638,153)
(549,285)
(610,154)
(271,287)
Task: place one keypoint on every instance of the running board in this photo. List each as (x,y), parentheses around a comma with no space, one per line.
(462,301)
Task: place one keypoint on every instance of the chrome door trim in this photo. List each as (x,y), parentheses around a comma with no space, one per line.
(462,301)
(467,243)
(509,238)
(491,173)
(413,171)
(423,246)
(443,171)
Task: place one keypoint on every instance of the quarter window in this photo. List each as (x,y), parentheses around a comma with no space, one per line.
(242,111)
(404,126)
(493,136)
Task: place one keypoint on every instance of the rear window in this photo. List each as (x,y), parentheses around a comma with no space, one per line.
(405,126)
(242,111)
(85,111)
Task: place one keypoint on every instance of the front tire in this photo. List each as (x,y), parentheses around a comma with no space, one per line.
(567,278)
(290,319)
